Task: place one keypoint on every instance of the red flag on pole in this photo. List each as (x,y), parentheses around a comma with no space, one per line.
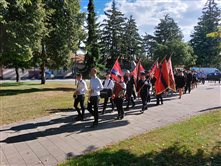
(136,72)
(153,69)
(172,84)
(162,78)
(116,70)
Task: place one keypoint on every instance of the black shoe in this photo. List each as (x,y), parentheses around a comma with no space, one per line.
(127,108)
(122,117)
(102,112)
(94,125)
(133,105)
(78,118)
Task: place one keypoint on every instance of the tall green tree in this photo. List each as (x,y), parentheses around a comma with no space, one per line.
(206,48)
(20,33)
(113,28)
(93,51)
(167,30)
(64,27)
(167,40)
(132,42)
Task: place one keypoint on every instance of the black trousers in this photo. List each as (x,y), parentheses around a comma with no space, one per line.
(159,99)
(79,99)
(119,104)
(93,102)
(144,99)
(188,87)
(105,103)
(129,99)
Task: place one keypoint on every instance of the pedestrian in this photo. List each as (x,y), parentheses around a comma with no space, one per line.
(79,96)
(180,83)
(118,96)
(108,85)
(129,81)
(189,78)
(143,90)
(94,94)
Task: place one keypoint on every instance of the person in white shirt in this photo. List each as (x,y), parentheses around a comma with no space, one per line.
(108,88)
(79,96)
(95,88)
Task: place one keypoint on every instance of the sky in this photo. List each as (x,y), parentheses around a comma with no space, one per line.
(148,13)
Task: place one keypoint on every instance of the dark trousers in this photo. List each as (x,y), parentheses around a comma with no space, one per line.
(93,102)
(129,99)
(188,87)
(144,99)
(119,104)
(105,103)
(79,99)
(159,99)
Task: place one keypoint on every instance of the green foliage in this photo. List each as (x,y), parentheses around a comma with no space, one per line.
(168,41)
(206,48)
(182,53)
(132,41)
(93,51)
(113,29)
(20,32)
(167,30)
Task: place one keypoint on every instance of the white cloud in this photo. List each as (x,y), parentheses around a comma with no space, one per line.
(148,13)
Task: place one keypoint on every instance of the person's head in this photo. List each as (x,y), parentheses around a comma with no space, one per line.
(79,76)
(93,72)
(108,76)
(127,73)
(142,75)
(119,78)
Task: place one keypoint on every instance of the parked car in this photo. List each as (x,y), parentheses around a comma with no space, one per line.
(216,76)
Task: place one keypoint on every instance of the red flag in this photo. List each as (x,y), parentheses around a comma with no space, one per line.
(153,69)
(116,70)
(162,78)
(136,72)
(172,84)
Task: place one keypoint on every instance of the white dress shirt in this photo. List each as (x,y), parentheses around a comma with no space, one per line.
(81,87)
(96,86)
(108,84)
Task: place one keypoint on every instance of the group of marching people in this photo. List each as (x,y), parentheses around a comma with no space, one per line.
(123,89)
(118,91)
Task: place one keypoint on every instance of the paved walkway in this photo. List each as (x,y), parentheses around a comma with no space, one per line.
(50,140)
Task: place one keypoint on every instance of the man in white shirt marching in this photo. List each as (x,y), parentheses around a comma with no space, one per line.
(95,88)
(108,87)
(79,96)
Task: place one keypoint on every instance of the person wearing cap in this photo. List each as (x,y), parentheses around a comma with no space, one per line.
(108,88)
(118,96)
(79,96)
(143,86)
(94,94)
(129,80)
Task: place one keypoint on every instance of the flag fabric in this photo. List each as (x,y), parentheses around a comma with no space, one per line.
(116,70)
(162,78)
(153,69)
(136,72)
(172,83)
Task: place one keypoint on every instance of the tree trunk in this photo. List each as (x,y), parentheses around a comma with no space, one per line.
(43,73)
(42,67)
(17,74)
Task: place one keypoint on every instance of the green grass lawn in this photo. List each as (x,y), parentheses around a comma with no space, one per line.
(28,100)
(195,142)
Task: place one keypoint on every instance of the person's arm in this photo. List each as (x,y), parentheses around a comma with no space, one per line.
(111,85)
(84,88)
(99,85)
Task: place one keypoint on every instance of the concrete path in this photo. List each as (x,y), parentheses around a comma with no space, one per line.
(50,140)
